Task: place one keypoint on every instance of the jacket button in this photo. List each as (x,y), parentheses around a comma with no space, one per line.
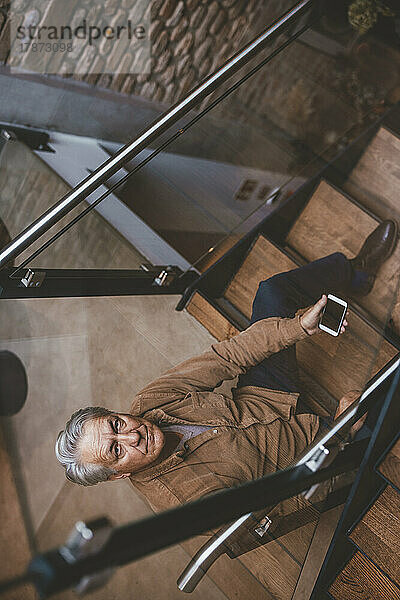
(215,430)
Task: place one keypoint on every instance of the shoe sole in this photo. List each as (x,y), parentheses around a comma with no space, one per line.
(395,238)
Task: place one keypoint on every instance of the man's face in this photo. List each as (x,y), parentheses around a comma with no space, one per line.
(121,442)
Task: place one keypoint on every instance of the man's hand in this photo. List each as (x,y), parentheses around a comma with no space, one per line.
(309,321)
(344,403)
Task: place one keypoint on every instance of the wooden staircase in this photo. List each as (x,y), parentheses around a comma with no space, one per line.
(333,220)
(374,182)
(330,222)
(362,579)
(336,223)
(337,365)
(374,570)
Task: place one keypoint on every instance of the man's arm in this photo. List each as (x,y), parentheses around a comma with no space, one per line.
(344,403)
(229,358)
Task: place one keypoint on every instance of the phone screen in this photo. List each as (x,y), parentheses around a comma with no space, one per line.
(333,314)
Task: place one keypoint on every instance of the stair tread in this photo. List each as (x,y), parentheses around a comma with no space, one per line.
(362,580)
(332,223)
(375,179)
(390,466)
(378,533)
(263,260)
(229,576)
(339,364)
(215,322)
(347,362)
(276,569)
(214,254)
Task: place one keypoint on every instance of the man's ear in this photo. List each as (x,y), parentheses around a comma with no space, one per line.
(118,476)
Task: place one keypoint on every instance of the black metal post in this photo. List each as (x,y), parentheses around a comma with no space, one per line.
(34,138)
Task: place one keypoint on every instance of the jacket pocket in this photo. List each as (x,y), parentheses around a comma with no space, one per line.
(207,400)
(213,409)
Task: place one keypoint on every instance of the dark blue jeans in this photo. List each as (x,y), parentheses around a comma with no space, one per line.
(281,296)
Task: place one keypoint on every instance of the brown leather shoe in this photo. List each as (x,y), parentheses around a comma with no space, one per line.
(377,248)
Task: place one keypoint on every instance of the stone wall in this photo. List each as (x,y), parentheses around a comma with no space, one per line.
(306,94)
(189,39)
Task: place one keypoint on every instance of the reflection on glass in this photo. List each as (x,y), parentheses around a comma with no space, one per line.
(28,188)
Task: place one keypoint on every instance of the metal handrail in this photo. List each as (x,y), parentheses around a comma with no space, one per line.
(128,152)
(75,563)
(313,457)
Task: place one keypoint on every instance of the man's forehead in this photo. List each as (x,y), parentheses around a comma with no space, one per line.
(92,443)
(93,427)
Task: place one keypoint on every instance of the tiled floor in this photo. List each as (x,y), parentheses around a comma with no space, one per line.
(78,352)
(151,577)
(96,351)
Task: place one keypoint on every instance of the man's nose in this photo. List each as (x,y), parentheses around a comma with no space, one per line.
(132,438)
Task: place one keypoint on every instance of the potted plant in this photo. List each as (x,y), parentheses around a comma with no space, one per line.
(363,14)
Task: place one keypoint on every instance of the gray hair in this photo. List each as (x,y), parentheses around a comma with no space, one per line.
(67,448)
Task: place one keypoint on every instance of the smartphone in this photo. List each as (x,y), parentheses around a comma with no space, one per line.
(333,316)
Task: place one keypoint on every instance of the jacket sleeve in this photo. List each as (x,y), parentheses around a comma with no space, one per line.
(227,359)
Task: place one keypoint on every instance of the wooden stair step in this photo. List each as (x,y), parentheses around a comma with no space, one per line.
(233,578)
(217,252)
(362,580)
(264,260)
(378,533)
(331,222)
(390,466)
(316,397)
(210,317)
(346,362)
(276,569)
(375,180)
(278,561)
(338,364)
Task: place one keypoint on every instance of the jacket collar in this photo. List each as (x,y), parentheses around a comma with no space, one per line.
(159,416)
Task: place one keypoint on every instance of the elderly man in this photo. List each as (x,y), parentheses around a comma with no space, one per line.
(182,438)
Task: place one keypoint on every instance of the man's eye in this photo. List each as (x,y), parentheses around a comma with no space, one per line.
(117,450)
(117,425)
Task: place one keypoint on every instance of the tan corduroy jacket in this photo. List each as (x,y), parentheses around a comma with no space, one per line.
(252,434)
